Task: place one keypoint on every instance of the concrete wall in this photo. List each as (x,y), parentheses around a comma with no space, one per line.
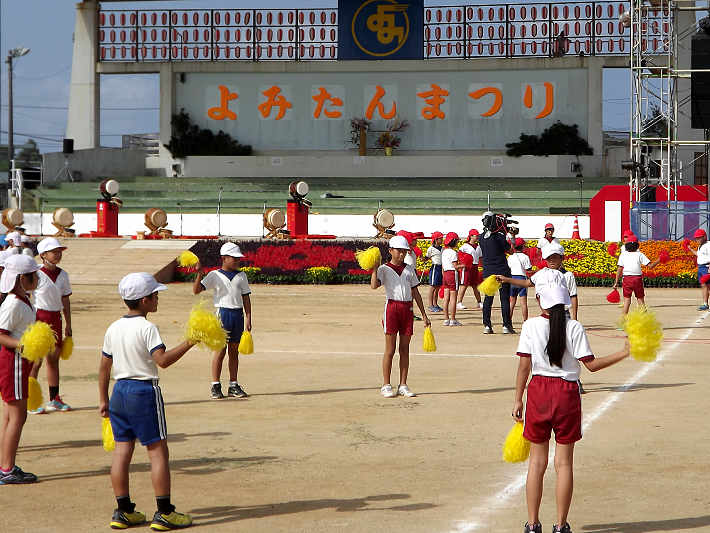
(399,165)
(96,163)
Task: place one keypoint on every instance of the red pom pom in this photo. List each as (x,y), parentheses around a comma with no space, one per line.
(613,297)
(531,252)
(705,279)
(417,251)
(612,249)
(441,292)
(686,245)
(465,259)
(664,256)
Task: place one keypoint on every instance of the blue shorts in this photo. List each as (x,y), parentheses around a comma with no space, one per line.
(436,276)
(136,411)
(233,322)
(702,271)
(516,291)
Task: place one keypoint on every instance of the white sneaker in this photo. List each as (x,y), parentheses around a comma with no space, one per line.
(487,330)
(507,331)
(387,391)
(447,322)
(403,390)
(455,323)
(460,305)
(480,305)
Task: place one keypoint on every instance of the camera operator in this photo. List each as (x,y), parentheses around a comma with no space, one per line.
(495,246)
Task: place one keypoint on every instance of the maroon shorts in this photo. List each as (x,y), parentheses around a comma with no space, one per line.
(633,285)
(470,276)
(451,280)
(398,318)
(14,375)
(553,404)
(54,319)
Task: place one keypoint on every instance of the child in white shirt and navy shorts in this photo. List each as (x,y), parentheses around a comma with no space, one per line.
(551,347)
(400,282)
(519,264)
(51,300)
(630,265)
(232,300)
(16,315)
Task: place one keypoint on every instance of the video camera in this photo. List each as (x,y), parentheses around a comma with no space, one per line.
(499,222)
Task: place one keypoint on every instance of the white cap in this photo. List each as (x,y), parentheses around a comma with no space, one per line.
(14,266)
(4,255)
(24,238)
(399,242)
(49,244)
(231,249)
(138,285)
(551,294)
(14,236)
(552,248)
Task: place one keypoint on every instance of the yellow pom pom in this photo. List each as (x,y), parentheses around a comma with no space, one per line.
(645,334)
(205,329)
(516,448)
(34,396)
(490,286)
(38,341)
(428,344)
(368,259)
(67,348)
(107,435)
(246,343)
(187,259)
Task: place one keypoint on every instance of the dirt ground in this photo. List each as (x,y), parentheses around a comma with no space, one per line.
(317,449)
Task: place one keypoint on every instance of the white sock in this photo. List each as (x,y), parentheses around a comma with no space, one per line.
(232,383)
(215,383)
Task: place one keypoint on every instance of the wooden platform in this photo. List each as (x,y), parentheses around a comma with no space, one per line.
(107,261)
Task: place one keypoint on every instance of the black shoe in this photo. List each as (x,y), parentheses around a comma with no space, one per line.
(561,529)
(236,391)
(581,389)
(537,528)
(17,477)
(217,391)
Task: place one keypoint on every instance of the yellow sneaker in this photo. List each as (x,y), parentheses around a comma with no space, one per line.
(124,520)
(162,522)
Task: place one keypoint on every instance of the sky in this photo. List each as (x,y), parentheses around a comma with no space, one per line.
(129,104)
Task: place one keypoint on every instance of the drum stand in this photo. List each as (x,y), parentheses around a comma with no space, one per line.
(64,231)
(64,172)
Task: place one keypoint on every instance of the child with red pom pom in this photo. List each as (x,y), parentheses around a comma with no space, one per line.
(703,259)
(630,266)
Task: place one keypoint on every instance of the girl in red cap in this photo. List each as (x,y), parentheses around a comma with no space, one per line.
(703,258)
(450,264)
(436,275)
(470,273)
(630,266)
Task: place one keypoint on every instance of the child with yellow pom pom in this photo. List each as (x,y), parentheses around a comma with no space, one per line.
(134,349)
(51,300)
(400,282)
(551,347)
(231,298)
(16,315)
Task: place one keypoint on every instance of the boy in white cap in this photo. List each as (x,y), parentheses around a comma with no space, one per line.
(51,300)
(134,349)
(25,245)
(401,284)
(16,314)
(14,241)
(232,300)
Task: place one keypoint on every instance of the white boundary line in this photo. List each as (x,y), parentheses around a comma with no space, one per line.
(501,497)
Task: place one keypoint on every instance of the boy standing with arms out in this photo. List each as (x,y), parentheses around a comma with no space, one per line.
(51,299)
(231,298)
(400,282)
(133,347)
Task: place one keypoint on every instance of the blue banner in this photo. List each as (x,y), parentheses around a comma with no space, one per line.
(380,29)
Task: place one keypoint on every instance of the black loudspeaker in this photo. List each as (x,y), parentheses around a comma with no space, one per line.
(68,146)
(700,82)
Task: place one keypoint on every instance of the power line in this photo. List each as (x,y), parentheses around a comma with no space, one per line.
(44,77)
(102,109)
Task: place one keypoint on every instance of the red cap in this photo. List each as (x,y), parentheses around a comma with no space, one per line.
(407,235)
(628,233)
(436,235)
(451,236)
(700,233)
(632,238)
(473,232)
(549,226)
(519,241)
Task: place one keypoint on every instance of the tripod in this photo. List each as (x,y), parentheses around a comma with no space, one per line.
(64,172)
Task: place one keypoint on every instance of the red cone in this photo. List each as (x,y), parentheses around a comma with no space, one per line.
(575,230)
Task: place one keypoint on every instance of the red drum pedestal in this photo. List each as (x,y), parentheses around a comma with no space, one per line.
(106,218)
(296,218)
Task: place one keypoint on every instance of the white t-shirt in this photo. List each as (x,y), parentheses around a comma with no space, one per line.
(28,252)
(14,250)
(533,343)
(411,259)
(474,252)
(542,242)
(227,293)
(397,286)
(519,263)
(48,295)
(448,257)
(632,262)
(704,254)
(548,275)
(130,342)
(434,254)
(570,283)
(15,316)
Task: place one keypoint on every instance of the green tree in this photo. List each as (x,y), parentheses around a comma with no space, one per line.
(558,139)
(29,154)
(190,139)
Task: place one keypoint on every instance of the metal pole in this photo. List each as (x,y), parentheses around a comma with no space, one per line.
(180,206)
(219,219)
(489,198)
(581,204)
(10,147)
